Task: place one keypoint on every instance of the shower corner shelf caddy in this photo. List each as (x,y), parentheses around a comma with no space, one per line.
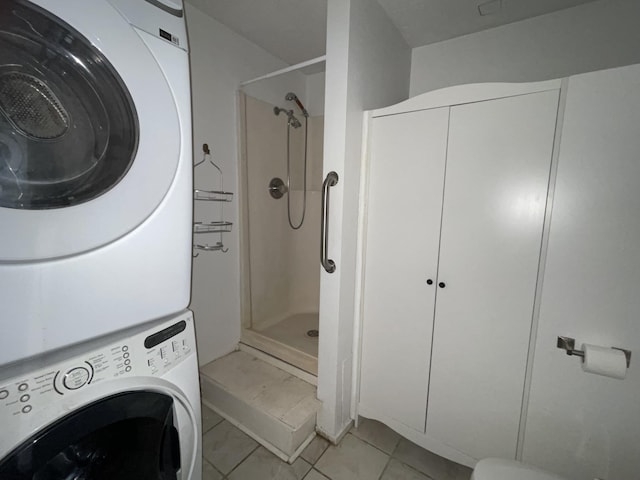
(212,195)
(212,227)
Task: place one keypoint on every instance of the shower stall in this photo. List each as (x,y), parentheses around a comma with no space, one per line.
(281,180)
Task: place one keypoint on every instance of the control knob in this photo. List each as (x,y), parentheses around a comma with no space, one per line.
(76,378)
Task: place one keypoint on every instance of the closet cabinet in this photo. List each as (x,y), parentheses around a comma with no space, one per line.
(456,205)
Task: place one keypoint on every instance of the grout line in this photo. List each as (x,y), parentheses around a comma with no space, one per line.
(385,468)
(415,469)
(321,453)
(243,460)
(372,445)
(317,471)
(204,460)
(214,425)
(393,457)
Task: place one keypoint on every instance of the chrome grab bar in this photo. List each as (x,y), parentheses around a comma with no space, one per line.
(328,264)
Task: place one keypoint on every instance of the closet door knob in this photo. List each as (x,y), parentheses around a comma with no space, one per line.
(442,284)
(429,282)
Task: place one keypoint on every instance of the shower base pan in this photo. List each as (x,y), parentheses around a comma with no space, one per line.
(288,340)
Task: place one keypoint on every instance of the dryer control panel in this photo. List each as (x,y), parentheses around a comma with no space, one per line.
(151,352)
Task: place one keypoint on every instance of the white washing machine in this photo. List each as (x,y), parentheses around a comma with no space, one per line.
(125,407)
(95,169)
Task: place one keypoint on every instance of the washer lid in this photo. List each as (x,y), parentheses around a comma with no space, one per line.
(89,130)
(499,469)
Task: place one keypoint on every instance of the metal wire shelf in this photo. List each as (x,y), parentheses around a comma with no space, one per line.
(212,195)
(212,227)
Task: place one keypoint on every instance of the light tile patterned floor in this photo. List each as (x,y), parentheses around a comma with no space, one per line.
(370,452)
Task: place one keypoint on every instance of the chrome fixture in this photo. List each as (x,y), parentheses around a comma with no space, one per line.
(292,121)
(328,264)
(568,344)
(292,97)
(219,226)
(277,188)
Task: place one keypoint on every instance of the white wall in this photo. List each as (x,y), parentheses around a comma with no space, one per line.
(368,66)
(220,60)
(273,90)
(315,94)
(582,425)
(589,37)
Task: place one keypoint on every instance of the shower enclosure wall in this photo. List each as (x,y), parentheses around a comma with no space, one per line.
(280,265)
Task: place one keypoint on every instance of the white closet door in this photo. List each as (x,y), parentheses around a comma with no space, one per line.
(497,174)
(405,204)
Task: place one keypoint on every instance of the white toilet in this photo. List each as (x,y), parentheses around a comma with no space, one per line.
(498,469)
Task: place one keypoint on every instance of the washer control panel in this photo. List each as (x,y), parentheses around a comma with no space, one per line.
(148,353)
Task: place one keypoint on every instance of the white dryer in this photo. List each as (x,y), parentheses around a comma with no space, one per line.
(125,407)
(95,169)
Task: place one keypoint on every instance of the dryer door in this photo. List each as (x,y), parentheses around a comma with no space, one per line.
(89,131)
(128,436)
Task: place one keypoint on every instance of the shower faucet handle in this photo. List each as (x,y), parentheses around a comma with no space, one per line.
(277,188)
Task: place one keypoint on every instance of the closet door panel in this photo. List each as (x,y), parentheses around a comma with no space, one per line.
(406,174)
(497,175)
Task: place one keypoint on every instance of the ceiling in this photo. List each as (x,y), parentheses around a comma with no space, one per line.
(294,30)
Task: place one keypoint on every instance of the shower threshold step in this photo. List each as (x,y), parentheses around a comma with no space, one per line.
(275,408)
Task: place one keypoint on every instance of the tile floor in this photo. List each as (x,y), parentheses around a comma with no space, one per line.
(370,452)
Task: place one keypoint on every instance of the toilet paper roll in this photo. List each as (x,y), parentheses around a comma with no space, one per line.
(604,361)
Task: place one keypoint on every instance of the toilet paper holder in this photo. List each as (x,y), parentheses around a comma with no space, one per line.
(568,344)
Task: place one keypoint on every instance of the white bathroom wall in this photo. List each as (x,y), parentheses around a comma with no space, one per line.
(315,94)
(273,90)
(581,425)
(368,66)
(220,60)
(585,38)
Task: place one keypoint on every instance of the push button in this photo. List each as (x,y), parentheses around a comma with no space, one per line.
(27,409)
(76,378)
(23,386)
(25,398)
(4,394)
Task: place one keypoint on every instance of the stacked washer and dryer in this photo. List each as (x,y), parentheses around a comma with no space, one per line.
(98,371)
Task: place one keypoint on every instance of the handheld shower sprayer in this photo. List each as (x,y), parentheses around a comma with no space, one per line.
(292,97)
(277,188)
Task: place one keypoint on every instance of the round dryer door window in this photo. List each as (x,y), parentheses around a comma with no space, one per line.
(90,135)
(68,125)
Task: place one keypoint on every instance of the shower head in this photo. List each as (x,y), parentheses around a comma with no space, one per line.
(291,118)
(292,97)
